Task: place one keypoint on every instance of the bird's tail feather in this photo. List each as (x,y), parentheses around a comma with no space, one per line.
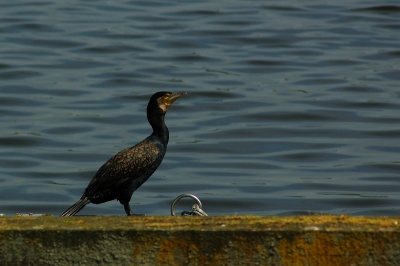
(74,209)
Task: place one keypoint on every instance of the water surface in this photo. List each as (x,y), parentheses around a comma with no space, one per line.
(293,106)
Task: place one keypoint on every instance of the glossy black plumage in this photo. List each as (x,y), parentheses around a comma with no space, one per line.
(127,170)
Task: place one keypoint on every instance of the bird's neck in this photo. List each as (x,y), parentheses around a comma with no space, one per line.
(160,130)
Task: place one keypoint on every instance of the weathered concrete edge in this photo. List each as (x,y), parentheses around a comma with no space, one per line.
(217,240)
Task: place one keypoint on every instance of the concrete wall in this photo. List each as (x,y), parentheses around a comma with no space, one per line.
(230,240)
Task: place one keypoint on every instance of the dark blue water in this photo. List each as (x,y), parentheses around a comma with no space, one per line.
(293,106)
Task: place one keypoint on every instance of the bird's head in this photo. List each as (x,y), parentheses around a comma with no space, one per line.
(164,99)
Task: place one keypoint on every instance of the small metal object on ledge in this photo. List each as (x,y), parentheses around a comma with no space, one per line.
(196,208)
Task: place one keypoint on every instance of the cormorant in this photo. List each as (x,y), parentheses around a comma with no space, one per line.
(127,170)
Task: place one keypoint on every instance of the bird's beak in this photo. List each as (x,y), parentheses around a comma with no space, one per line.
(173,97)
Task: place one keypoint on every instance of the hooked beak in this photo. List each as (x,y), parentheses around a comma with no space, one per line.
(173,97)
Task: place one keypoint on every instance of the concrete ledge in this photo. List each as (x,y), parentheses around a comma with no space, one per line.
(218,240)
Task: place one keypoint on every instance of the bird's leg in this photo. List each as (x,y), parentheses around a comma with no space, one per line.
(129,211)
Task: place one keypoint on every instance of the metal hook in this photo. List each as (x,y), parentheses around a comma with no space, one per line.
(197,208)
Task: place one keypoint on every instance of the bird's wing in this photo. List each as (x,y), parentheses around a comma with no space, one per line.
(125,166)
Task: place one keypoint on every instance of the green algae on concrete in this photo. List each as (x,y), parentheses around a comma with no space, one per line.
(217,240)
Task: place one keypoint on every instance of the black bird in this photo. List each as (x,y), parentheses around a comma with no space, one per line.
(127,170)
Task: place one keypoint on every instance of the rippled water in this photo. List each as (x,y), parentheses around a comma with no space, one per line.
(293,106)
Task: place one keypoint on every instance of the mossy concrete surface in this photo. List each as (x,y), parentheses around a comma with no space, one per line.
(219,240)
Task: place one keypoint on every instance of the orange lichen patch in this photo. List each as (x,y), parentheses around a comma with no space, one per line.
(321,248)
